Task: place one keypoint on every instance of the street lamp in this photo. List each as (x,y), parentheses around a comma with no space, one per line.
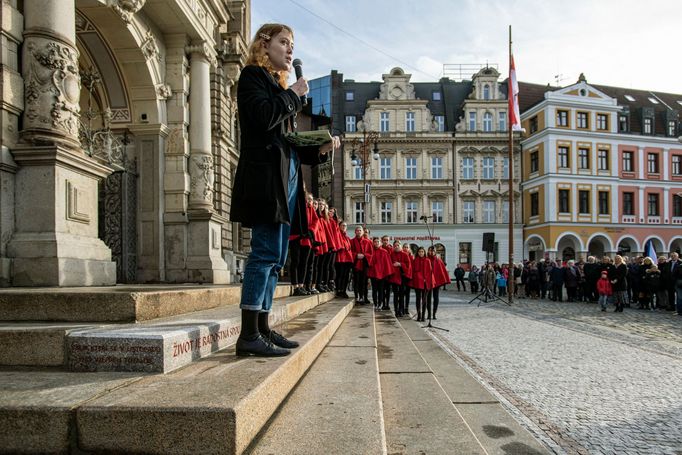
(360,152)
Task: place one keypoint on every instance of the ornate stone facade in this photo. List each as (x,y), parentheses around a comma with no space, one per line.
(164,69)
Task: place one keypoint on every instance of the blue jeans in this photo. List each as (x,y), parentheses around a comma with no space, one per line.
(269,244)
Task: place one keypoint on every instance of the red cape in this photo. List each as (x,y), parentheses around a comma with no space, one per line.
(381,266)
(440,272)
(404,270)
(344,254)
(422,276)
(363,246)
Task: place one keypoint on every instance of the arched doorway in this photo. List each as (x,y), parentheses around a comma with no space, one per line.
(535,248)
(567,245)
(676,245)
(627,246)
(598,246)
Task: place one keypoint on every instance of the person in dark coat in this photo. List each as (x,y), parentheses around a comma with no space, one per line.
(267,195)
(571,277)
(557,280)
(618,275)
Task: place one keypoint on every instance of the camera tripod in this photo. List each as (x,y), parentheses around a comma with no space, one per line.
(489,296)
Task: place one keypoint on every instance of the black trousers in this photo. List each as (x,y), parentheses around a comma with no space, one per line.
(299,262)
(311,273)
(323,267)
(434,292)
(386,286)
(377,292)
(360,284)
(461,280)
(342,275)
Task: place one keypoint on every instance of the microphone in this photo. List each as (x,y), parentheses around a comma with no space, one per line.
(298,68)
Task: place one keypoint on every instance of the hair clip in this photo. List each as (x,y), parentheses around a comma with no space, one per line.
(264,36)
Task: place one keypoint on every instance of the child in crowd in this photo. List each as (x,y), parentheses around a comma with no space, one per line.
(605,290)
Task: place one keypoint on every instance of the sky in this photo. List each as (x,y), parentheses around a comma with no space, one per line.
(623,43)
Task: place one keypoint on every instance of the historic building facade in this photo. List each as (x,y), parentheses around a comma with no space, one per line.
(601,170)
(417,170)
(119,141)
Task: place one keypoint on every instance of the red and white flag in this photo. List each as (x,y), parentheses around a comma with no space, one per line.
(514,117)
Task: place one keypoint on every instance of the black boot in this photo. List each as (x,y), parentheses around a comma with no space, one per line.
(250,341)
(276,338)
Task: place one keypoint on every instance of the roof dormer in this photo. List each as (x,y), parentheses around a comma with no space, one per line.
(396,86)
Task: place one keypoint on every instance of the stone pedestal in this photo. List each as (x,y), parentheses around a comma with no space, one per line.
(55,242)
(205,263)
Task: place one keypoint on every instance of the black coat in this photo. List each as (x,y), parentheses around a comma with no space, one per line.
(260,189)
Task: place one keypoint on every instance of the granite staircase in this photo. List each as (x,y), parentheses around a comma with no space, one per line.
(361,382)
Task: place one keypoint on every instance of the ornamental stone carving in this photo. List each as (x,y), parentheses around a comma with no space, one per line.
(201,178)
(52,87)
(164,91)
(126,8)
(149,48)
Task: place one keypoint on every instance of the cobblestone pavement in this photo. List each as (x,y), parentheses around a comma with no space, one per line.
(585,381)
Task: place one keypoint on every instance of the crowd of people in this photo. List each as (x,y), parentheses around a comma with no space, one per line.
(326,259)
(640,282)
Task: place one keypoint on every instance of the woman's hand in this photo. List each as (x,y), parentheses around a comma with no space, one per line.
(300,87)
(335,144)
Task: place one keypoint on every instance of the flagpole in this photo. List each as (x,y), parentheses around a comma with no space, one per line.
(510,152)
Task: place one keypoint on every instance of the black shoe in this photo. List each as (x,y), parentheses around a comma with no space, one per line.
(278,340)
(259,347)
(314,291)
(298,292)
(344,295)
(434,317)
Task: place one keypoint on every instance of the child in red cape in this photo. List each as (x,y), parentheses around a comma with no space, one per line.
(361,249)
(379,268)
(402,273)
(422,282)
(440,277)
(344,262)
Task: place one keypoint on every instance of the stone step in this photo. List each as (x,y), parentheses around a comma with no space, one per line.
(166,344)
(336,408)
(419,417)
(215,405)
(122,303)
(494,427)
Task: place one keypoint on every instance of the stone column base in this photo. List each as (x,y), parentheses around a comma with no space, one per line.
(205,263)
(46,259)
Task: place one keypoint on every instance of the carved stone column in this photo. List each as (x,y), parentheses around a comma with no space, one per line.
(204,261)
(56,238)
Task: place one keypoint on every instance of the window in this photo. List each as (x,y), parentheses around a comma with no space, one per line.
(583,202)
(435,96)
(505,211)
(385,168)
(628,203)
(469,211)
(622,123)
(357,170)
(653,100)
(359,212)
(583,158)
(648,123)
(472,121)
(440,123)
(533,125)
(487,122)
(534,204)
(383,123)
(563,157)
(437,211)
(628,162)
(534,162)
(564,201)
(436,167)
(505,168)
(409,122)
(603,197)
(350,123)
(677,166)
(486,92)
(350,95)
(672,127)
(411,168)
(603,160)
(653,204)
(582,120)
(386,210)
(652,163)
(465,253)
(677,205)
(502,121)
(488,211)
(411,212)
(467,168)
(561,118)
(488,168)
(629,98)
(602,122)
